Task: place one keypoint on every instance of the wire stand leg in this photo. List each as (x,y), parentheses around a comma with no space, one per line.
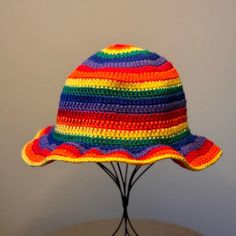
(125,183)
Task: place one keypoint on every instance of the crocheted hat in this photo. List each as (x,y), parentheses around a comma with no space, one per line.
(122,104)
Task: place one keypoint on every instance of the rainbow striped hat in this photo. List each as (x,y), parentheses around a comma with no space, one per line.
(122,104)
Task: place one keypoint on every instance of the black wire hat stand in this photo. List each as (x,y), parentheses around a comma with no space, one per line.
(125,179)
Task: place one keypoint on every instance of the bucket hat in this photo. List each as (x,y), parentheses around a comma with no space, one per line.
(124,104)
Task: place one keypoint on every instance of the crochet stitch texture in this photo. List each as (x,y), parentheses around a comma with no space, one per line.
(123,104)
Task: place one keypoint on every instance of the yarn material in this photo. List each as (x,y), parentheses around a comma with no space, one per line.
(126,104)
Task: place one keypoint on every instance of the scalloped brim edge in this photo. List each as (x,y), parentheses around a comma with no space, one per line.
(114,157)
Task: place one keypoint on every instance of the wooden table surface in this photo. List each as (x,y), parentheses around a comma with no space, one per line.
(143,228)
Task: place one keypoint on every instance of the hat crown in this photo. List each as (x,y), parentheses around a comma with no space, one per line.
(122,104)
(122,93)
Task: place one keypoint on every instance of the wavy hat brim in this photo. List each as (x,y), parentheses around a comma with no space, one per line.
(43,150)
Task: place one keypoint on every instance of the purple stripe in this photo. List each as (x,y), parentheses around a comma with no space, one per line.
(95,65)
(99,107)
(192,146)
(44,143)
(135,155)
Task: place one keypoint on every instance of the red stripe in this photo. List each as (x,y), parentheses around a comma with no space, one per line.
(118,125)
(126,77)
(46,130)
(38,150)
(200,151)
(164,67)
(119,46)
(122,117)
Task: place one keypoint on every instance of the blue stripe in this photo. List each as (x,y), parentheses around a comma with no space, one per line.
(121,100)
(138,57)
(125,64)
(100,107)
(178,145)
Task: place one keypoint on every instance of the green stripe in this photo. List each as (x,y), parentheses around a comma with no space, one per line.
(119,142)
(120,93)
(133,53)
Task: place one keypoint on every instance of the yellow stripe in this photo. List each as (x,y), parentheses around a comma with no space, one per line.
(119,134)
(119,51)
(104,83)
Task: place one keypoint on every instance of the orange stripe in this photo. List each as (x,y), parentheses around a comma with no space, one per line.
(205,158)
(119,76)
